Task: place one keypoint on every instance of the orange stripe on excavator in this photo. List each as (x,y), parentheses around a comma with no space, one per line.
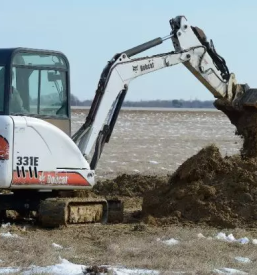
(50,178)
(4,148)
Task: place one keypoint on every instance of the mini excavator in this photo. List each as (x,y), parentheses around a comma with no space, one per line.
(42,164)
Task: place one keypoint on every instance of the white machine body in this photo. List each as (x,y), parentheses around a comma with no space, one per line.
(36,154)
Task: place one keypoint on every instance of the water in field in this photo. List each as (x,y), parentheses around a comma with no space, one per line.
(159,141)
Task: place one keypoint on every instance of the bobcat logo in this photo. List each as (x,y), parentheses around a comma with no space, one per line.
(135,68)
(147,67)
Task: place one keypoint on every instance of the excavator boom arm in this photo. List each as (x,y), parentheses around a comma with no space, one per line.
(191,49)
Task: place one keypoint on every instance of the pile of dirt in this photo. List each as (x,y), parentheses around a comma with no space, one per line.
(205,189)
(208,189)
(134,185)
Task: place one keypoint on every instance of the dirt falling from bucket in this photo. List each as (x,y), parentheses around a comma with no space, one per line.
(246,127)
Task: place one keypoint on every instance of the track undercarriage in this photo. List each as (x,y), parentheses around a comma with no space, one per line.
(54,209)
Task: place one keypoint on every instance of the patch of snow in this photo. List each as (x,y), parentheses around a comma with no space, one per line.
(55,245)
(229,271)
(63,268)
(171,241)
(230,238)
(4,225)
(243,260)
(8,270)
(125,271)
(153,162)
(9,235)
(254,241)
(201,236)
(137,171)
(244,240)
(67,268)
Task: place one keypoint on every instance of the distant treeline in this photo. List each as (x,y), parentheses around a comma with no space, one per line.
(175,103)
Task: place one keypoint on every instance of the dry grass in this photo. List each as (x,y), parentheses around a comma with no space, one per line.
(122,245)
(191,255)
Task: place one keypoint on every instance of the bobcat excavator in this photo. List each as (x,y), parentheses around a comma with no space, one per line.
(42,164)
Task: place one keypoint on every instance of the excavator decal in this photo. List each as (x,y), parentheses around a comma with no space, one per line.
(4,148)
(49,178)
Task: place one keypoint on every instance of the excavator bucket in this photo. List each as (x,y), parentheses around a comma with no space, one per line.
(236,109)
(249,99)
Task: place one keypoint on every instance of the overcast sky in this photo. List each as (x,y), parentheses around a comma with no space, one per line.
(89,33)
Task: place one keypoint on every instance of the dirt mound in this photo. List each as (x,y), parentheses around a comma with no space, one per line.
(128,185)
(209,189)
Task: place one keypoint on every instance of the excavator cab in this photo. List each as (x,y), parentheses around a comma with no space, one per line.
(35,83)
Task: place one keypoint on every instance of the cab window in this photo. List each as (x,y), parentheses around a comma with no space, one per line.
(52,92)
(39,85)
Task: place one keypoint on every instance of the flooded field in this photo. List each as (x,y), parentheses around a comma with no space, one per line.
(157,142)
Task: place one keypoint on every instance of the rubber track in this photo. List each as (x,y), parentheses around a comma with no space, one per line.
(53,212)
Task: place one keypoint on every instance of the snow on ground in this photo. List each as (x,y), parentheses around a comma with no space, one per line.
(64,267)
(58,246)
(67,268)
(254,241)
(220,236)
(153,161)
(8,270)
(171,241)
(229,271)
(124,271)
(228,238)
(243,260)
(9,235)
(5,225)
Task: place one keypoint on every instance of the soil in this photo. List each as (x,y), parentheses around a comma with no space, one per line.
(209,189)
(134,185)
(247,128)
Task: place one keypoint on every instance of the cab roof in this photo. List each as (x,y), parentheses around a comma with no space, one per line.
(6,54)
